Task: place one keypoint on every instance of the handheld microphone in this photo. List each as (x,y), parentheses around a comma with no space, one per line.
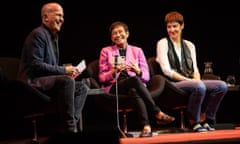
(115,61)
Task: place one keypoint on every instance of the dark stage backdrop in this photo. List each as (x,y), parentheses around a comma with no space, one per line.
(212,25)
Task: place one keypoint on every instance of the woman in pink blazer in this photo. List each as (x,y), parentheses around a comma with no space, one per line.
(127,64)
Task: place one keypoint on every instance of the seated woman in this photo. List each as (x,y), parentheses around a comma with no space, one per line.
(177,58)
(132,74)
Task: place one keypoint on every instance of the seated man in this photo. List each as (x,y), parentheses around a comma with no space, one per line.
(39,67)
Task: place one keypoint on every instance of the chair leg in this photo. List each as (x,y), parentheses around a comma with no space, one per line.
(182,119)
(125,122)
(80,123)
(125,126)
(35,134)
(34,122)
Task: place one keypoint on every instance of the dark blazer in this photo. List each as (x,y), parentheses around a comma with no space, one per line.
(39,64)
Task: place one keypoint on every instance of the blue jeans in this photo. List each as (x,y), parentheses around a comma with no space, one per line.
(205,97)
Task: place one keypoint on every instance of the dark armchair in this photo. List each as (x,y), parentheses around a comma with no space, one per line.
(171,97)
(19,100)
(107,101)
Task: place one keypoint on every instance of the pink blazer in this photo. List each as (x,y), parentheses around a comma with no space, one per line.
(133,55)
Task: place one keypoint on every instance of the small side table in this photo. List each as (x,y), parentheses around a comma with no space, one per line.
(234,88)
(228,110)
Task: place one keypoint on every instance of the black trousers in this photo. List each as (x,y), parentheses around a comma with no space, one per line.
(139,96)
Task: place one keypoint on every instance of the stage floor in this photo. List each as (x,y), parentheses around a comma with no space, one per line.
(218,136)
(223,135)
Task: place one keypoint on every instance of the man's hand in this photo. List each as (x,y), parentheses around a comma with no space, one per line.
(71,71)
